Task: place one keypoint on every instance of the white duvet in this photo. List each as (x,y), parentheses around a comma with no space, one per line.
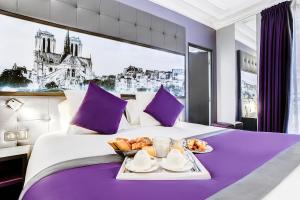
(51,149)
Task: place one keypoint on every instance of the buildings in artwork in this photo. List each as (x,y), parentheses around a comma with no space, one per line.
(134,79)
(67,70)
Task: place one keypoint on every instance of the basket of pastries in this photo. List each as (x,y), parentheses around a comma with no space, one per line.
(129,147)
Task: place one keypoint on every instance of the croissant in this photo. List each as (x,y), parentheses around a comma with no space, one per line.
(111,143)
(122,145)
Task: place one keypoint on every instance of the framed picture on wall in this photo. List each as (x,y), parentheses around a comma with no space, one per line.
(41,58)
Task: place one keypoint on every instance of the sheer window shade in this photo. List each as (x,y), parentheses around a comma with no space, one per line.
(294,114)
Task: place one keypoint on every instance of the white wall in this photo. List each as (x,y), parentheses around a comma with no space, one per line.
(226,74)
(38,115)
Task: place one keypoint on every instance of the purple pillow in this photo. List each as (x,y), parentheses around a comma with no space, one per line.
(100,111)
(164,107)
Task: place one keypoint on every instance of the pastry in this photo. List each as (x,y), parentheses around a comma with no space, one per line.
(138,145)
(122,145)
(201,145)
(196,144)
(125,139)
(190,143)
(111,143)
(150,149)
(147,141)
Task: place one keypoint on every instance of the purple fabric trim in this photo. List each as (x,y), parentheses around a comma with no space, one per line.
(100,111)
(164,107)
(237,153)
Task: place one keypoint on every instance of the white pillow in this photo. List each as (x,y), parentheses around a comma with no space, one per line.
(144,98)
(66,114)
(135,110)
(148,120)
(74,99)
(132,112)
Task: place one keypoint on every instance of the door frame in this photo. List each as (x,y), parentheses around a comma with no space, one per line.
(212,78)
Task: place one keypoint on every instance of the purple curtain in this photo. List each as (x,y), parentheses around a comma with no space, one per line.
(274,67)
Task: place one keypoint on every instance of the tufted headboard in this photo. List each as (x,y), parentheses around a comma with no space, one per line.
(246,62)
(106,17)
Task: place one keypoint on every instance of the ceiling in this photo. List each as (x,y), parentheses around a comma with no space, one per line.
(217,13)
(245,31)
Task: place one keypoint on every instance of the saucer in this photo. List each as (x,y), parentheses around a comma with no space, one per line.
(154,166)
(188,166)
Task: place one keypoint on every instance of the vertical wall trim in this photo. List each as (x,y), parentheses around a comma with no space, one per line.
(226,72)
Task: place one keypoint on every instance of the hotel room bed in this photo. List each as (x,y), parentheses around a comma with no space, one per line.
(244,165)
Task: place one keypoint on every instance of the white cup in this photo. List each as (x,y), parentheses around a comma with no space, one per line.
(142,160)
(175,159)
(162,146)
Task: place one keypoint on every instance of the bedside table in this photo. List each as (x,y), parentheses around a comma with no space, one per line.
(13,163)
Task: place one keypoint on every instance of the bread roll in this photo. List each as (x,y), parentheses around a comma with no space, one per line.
(138,145)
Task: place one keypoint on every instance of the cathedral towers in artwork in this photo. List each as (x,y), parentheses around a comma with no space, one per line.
(45,42)
(66,70)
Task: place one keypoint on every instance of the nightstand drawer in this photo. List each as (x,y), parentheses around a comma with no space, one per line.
(13,164)
(12,170)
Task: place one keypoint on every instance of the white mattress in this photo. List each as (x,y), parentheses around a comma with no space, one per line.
(55,148)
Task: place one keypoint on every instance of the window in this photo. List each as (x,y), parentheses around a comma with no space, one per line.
(48,47)
(44,44)
(73,72)
(76,50)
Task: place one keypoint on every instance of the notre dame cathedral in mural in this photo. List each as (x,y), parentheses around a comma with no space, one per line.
(66,70)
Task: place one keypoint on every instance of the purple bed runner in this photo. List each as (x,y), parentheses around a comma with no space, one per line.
(237,154)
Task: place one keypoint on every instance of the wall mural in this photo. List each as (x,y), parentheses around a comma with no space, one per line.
(41,58)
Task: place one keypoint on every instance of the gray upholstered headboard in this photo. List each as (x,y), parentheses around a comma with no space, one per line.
(246,62)
(106,17)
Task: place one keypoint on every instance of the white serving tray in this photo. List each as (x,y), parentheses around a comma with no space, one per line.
(198,172)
